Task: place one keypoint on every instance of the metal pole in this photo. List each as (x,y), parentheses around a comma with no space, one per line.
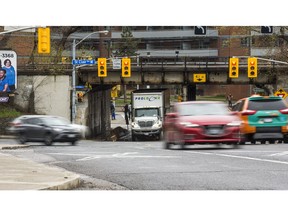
(73,83)
(74,71)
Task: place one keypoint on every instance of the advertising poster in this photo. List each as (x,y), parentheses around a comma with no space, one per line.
(8,71)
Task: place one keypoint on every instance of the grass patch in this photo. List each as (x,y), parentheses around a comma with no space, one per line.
(212,98)
(7,112)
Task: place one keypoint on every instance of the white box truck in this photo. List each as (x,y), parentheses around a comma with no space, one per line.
(148,109)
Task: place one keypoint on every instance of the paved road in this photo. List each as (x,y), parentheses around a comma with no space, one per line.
(147,166)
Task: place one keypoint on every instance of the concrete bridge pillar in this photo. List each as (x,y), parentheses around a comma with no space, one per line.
(99,112)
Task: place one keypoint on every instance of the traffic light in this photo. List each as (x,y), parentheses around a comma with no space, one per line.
(252,67)
(126,67)
(102,67)
(234,68)
(43,40)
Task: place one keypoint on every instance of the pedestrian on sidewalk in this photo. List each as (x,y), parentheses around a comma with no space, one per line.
(126,114)
(129,110)
(229,99)
(113,111)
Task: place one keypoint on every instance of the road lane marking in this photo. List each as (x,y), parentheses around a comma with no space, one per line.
(280,153)
(90,156)
(240,157)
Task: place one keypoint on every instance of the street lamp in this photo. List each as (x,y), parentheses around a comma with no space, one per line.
(74,71)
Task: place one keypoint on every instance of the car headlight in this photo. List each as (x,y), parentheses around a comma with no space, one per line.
(234,124)
(158,124)
(189,124)
(58,129)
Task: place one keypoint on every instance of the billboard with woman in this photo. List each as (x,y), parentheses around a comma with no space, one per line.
(8,62)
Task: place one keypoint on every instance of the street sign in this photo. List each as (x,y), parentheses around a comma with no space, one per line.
(281,93)
(200,30)
(199,78)
(82,62)
(116,63)
(267,29)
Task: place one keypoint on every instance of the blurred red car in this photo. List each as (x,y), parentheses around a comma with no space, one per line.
(201,122)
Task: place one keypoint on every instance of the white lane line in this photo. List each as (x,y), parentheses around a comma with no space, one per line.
(86,157)
(241,157)
(280,153)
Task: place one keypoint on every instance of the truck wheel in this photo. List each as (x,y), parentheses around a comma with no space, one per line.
(133,137)
(74,142)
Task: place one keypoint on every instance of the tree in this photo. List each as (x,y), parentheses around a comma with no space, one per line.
(128,45)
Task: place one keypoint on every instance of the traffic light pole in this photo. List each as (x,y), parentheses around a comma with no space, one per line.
(264,59)
(18,29)
(74,72)
(74,82)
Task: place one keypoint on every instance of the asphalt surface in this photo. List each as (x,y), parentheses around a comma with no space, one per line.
(22,174)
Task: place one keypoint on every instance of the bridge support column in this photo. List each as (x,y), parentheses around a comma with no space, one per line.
(99,113)
(191,92)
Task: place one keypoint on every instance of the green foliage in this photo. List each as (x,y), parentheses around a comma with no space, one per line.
(212,98)
(127,45)
(7,112)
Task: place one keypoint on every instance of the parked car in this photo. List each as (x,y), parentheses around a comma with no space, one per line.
(44,128)
(201,122)
(265,118)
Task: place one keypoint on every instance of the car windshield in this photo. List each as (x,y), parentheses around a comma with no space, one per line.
(197,109)
(55,121)
(266,104)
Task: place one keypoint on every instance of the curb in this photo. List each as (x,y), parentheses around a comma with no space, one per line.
(10,147)
(69,185)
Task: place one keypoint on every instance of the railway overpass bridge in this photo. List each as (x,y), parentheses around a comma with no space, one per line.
(186,72)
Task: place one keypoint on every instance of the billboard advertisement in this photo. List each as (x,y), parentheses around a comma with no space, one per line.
(8,71)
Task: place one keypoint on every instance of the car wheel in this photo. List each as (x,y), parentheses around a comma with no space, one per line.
(180,141)
(166,145)
(236,145)
(48,140)
(22,139)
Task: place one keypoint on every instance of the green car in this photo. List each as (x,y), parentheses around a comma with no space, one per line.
(264,118)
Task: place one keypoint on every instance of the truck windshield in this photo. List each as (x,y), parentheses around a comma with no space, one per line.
(147,112)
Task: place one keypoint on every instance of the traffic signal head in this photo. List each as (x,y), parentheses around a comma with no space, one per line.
(252,67)
(102,67)
(43,40)
(234,68)
(126,67)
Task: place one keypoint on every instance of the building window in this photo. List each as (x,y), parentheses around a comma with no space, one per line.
(245,42)
(225,42)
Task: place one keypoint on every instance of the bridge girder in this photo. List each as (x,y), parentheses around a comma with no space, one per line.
(179,75)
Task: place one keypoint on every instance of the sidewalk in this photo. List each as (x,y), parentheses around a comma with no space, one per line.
(119,121)
(22,174)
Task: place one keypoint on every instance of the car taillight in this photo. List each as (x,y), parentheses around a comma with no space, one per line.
(284,111)
(249,112)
